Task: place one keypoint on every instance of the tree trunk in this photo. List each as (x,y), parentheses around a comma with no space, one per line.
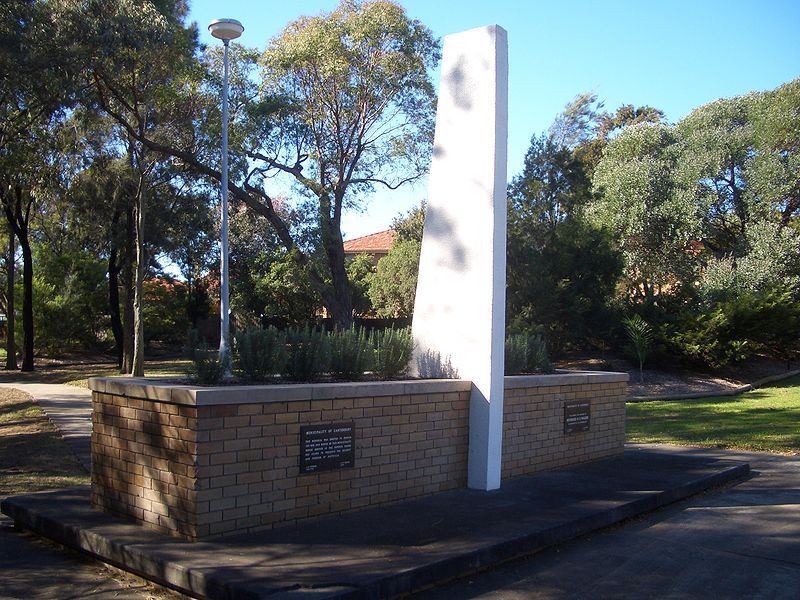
(113,305)
(138,314)
(27,299)
(127,286)
(113,291)
(339,300)
(11,347)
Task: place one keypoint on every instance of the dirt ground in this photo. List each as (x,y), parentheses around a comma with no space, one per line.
(662,380)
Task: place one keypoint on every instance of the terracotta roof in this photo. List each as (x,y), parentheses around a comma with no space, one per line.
(370,244)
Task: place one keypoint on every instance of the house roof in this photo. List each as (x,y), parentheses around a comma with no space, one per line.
(371,244)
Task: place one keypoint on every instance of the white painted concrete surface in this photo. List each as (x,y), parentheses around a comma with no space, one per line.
(460,304)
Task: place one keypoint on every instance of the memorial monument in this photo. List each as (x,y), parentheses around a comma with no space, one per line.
(459,313)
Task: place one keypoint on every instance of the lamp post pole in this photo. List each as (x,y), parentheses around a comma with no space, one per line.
(225,30)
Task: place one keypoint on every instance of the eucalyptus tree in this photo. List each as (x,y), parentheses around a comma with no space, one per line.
(137,54)
(344,103)
(361,113)
(37,84)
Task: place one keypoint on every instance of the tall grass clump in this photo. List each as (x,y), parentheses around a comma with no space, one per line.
(260,353)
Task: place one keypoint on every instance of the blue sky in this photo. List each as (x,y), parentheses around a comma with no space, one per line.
(673,55)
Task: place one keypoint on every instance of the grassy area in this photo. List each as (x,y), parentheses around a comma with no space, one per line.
(767,419)
(32,455)
(77,373)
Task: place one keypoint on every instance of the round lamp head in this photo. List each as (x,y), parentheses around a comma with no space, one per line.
(226,29)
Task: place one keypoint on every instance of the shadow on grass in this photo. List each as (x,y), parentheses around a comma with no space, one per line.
(765,419)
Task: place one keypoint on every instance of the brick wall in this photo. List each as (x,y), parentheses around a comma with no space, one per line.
(200,462)
(533,421)
(143,462)
(234,467)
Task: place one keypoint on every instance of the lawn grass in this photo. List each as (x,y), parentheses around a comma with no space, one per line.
(767,419)
(33,456)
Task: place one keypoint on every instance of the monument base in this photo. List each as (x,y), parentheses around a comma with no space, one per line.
(200,462)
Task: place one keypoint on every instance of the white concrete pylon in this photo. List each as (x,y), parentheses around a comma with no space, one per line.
(459,310)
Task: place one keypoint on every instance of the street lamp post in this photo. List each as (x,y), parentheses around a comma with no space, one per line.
(225,30)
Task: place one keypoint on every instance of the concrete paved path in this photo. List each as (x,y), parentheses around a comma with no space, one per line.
(389,550)
(70,410)
(738,543)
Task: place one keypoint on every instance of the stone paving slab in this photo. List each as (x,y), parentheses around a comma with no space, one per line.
(390,550)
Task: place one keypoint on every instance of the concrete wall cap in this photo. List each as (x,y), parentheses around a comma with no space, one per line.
(164,391)
(564,378)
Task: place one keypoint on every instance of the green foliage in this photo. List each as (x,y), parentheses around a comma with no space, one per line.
(359,112)
(743,327)
(640,337)
(526,353)
(359,272)
(70,306)
(393,350)
(537,358)
(772,255)
(774,168)
(206,367)
(393,286)
(562,269)
(165,314)
(409,226)
(561,280)
(516,348)
(309,353)
(351,353)
(285,290)
(260,353)
(640,204)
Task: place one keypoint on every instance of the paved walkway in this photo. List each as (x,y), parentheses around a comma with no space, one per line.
(70,410)
(389,550)
(737,543)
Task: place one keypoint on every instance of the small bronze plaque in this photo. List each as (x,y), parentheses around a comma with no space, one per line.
(576,416)
(326,447)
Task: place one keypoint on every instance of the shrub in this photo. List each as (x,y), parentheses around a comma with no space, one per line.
(526,353)
(351,353)
(431,366)
(309,353)
(537,359)
(742,328)
(206,366)
(516,354)
(260,352)
(393,350)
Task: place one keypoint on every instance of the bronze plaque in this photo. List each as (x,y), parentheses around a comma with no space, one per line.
(326,447)
(576,416)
